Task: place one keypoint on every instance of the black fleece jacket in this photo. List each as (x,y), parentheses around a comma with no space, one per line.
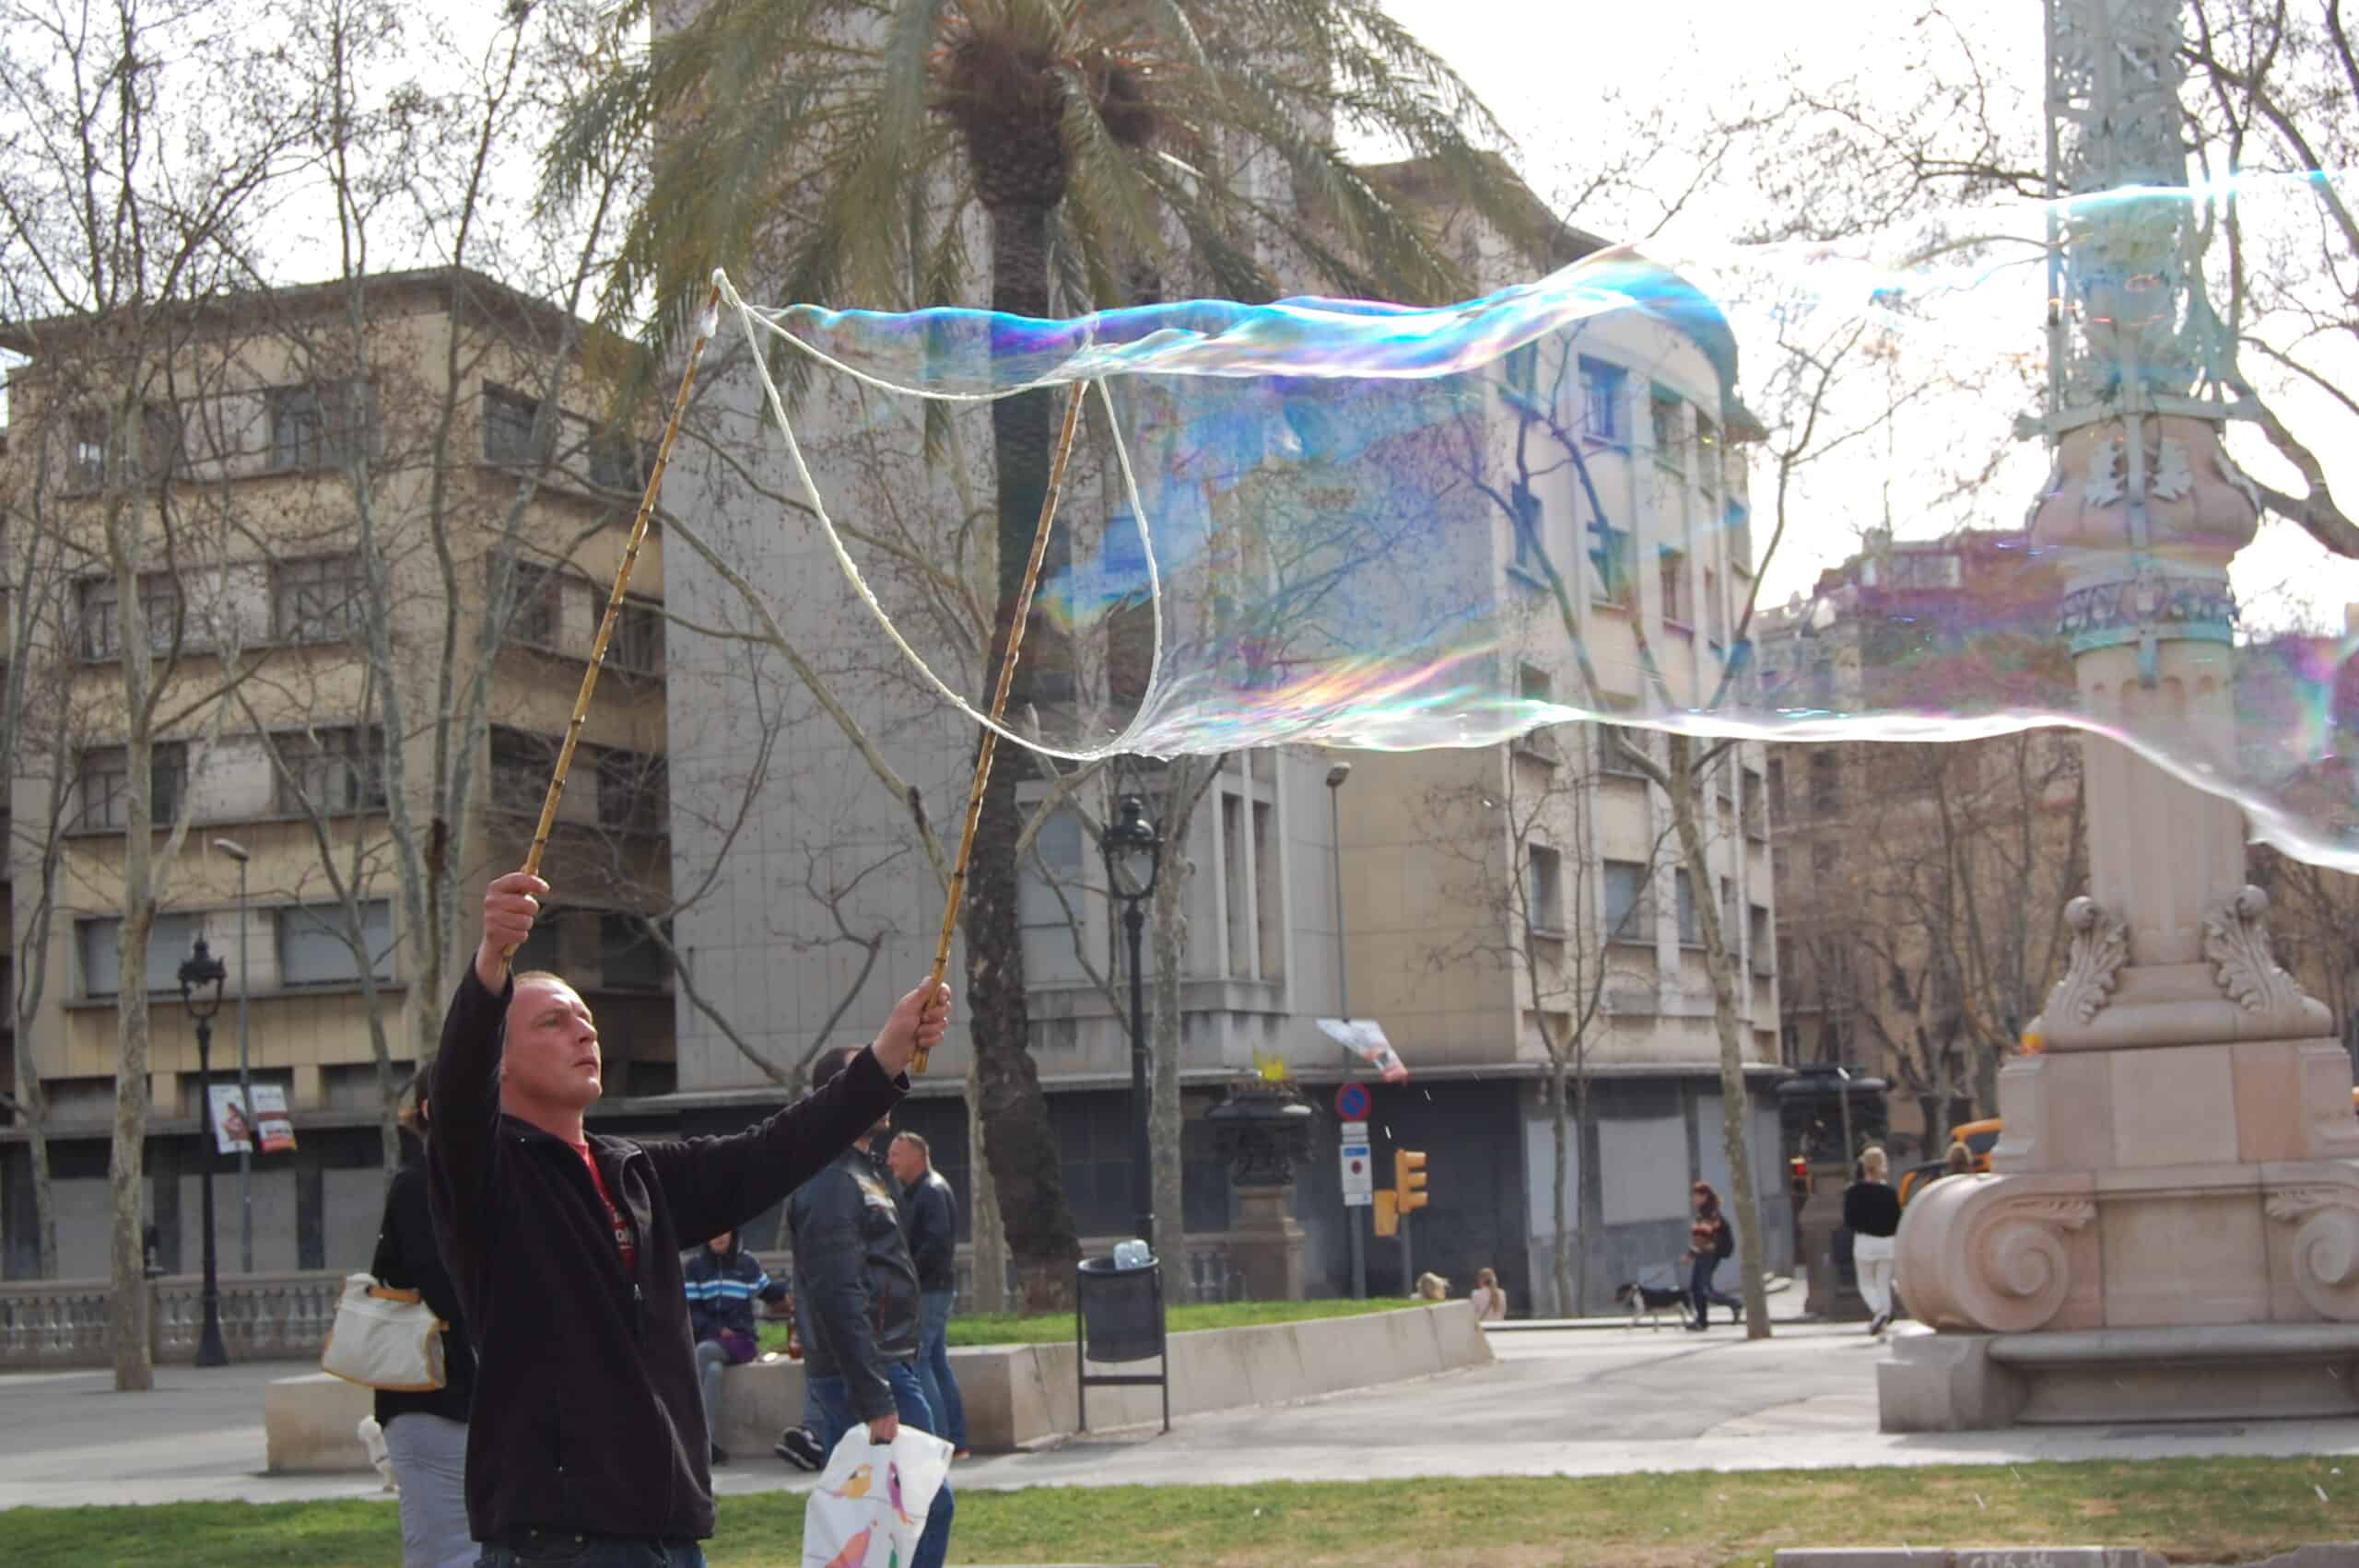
(1871,1209)
(588,1417)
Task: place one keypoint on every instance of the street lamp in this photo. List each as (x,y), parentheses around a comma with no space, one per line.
(202,969)
(1335,776)
(245,1085)
(1133,853)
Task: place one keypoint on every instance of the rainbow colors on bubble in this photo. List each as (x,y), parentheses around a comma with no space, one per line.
(1780,491)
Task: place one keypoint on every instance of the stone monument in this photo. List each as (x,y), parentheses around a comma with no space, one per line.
(1262,1128)
(2170,1228)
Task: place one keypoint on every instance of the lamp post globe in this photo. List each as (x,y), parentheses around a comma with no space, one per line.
(1133,852)
(199,970)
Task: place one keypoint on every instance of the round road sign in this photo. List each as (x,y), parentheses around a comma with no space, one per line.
(1352,1103)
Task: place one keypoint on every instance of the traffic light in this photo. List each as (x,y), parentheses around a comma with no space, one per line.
(1387,1215)
(1798,1175)
(1409,1178)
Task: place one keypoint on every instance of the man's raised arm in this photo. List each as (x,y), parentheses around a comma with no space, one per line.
(464,1087)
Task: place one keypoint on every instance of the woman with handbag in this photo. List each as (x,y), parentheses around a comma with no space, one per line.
(426,1433)
(723,1283)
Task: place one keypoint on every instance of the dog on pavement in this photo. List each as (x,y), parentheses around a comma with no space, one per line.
(1648,1303)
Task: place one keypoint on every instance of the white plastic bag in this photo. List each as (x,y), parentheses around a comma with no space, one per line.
(869,1508)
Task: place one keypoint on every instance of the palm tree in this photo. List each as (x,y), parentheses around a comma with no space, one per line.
(838,144)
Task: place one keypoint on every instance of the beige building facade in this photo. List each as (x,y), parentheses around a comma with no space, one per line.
(375,558)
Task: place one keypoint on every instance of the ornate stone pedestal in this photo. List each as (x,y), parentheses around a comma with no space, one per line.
(1265,1243)
(2171,1224)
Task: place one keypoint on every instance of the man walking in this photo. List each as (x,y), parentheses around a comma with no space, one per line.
(588,1441)
(856,1294)
(930,1217)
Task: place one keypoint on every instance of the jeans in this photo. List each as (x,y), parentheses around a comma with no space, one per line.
(909,1400)
(1699,1286)
(941,1395)
(429,1454)
(593,1552)
(711,1361)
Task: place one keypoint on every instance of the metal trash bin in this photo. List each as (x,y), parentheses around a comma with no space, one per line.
(1119,1319)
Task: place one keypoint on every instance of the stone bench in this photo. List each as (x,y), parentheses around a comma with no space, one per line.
(1015,1395)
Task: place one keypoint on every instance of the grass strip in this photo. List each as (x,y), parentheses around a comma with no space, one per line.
(1007,1328)
(2193,1510)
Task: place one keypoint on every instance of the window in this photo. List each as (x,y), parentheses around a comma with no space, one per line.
(315,943)
(632,796)
(90,446)
(1676,610)
(1691,923)
(318,426)
(318,600)
(1612,561)
(1669,438)
(521,765)
(1765,957)
(638,643)
(1776,791)
(1825,782)
(105,784)
(1739,524)
(1629,903)
(1616,744)
(1707,455)
(544,949)
(1535,685)
(1716,619)
(629,958)
(1529,549)
(621,461)
(334,769)
(1544,890)
(1269,933)
(536,616)
(1601,402)
(170,941)
(85,456)
(101,615)
(1822,860)
(1757,816)
(1059,844)
(508,421)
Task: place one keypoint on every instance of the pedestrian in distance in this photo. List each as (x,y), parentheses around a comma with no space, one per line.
(723,1282)
(856,1293)
(1709,1238)
(1871,1213)
(1490,1301)
(930,1219)
(588,1442)
(426,1431)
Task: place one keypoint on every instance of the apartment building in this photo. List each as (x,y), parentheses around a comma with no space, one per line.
(379,522)
(823,909)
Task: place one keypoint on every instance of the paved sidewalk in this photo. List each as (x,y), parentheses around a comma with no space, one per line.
(1557,1401)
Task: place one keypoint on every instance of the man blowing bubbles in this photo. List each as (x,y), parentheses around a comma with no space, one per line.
(586,1440)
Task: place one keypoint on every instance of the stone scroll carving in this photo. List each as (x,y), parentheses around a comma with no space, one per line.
(2019,1262)
(2235,943)
(2100,947)
(2326,1247)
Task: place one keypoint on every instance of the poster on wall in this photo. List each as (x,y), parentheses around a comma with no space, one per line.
(268,1126)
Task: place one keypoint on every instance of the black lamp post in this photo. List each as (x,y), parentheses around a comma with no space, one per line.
(1133,855)
(200,970)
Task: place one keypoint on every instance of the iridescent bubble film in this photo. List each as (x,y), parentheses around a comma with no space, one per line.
(1939,483)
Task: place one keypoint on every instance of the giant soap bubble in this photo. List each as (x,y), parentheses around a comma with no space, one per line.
(1616,493)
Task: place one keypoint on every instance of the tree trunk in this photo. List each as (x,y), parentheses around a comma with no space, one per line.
(990,1240)
(1167,1126)
(1592,1183)
(1568,1280)
(127,1315)
(1734,1105)
(1019,1143)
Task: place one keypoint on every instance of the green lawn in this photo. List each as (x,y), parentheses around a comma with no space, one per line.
(2201,1510)
(1007,1328)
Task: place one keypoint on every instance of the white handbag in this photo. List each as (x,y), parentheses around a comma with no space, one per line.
(384,1337)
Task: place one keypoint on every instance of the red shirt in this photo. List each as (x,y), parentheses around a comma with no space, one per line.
(614,1215)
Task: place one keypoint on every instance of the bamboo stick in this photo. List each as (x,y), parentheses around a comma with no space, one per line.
(622,580)
(1023,612)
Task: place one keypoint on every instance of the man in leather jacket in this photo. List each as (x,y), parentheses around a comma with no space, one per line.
(856,1300)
